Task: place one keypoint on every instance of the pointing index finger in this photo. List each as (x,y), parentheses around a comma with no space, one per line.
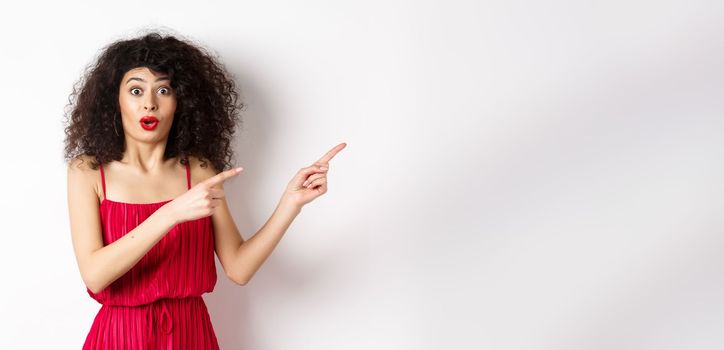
(331,153)
(222,176)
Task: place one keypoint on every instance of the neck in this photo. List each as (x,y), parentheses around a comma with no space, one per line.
(146,157)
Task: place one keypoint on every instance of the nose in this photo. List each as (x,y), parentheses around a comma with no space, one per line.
(150,104)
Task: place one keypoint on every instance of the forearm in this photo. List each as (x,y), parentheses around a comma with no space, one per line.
(114,260)
(253,252)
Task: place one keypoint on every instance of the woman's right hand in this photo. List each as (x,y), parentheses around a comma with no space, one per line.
(201,200)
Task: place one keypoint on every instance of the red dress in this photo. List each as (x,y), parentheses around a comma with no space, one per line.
(157,304)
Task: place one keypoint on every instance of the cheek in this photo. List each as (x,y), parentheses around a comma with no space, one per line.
(171,106)
(125,103)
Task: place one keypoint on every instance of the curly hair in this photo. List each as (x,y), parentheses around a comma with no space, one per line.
(206,114)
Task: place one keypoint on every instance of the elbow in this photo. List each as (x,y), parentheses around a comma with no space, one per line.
(237,279)
(93,285)
(240,282)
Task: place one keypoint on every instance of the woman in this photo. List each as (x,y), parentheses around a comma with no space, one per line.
(144,235)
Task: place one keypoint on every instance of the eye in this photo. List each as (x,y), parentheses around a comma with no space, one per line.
(135,89)
(164,90)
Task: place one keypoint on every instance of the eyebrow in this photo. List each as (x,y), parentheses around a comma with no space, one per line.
(139,79)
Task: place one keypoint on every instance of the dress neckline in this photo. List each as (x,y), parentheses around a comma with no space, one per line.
(126,203)
(103,181)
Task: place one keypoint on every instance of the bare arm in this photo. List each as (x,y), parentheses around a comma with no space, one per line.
(241,259)
(252,253)
(101,265)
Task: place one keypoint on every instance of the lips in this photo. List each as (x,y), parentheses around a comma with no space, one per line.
(149,122)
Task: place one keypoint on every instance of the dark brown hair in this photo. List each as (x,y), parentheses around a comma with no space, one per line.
(207,110)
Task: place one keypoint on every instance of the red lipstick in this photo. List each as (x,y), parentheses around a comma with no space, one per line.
(149,122)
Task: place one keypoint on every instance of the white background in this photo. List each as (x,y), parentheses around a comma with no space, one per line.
(518,175)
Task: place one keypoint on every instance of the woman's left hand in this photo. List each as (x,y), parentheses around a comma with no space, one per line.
(310,182)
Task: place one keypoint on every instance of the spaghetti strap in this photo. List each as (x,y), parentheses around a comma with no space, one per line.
(188,174)
(103,181)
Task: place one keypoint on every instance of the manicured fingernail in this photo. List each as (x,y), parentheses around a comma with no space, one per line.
(323,167)
(239,169)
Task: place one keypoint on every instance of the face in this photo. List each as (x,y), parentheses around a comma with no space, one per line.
(147,104)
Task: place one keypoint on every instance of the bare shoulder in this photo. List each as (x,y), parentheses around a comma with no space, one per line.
(84,213)
(81,163)
(81,176)
(201,169)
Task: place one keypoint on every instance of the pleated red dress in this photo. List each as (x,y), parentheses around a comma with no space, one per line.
(157,304)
